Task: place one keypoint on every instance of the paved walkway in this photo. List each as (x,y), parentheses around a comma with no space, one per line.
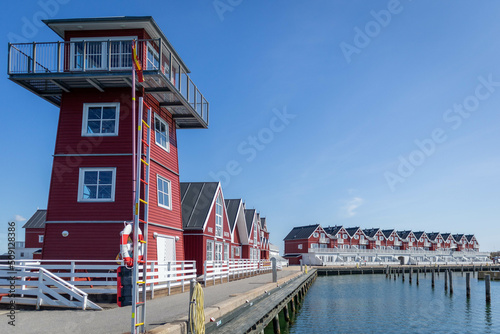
(117,320)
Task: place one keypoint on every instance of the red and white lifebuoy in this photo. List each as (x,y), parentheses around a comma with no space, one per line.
(126,247)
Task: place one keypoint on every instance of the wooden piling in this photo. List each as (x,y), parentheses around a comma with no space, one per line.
(467,284)
(438,270)
(285,312)
(418,272)
(446,280)
(487,287)
(411,275)
(450,275)
(403,274)
(433,274)
(425,271)
(293,305)
(276,324)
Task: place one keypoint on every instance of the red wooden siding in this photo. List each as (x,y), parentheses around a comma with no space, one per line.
(31,237)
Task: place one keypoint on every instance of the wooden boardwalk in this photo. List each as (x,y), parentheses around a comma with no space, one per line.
(254,316)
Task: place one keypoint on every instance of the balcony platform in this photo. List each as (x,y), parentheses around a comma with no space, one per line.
(44,69)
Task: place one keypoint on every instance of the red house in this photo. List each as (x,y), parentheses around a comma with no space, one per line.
(460,241)
(357,239)
(88,76)
(251,249)
(392,240)
(236,215)
(207,233)
(301,238)
(264,237)
(376,239)
(448,241)
(337,236)
(437,242)
(422,240)
(34,230)
(407,239)
(472,243)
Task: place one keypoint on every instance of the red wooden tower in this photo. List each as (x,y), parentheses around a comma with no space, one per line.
(88,75)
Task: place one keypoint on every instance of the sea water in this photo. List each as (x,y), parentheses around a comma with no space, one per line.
(376,304)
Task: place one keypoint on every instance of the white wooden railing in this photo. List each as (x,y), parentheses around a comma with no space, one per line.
(99,276)
(232,269)
(41,288)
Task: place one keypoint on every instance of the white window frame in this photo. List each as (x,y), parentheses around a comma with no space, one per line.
(167,134)
(219,221)
(226,251)
(210,250)
(218,251)
(104,51)
(169,184)
(255,234)
(148,65)
(299,246)
(40,238)
(85,119)
(98,169)
(315,234)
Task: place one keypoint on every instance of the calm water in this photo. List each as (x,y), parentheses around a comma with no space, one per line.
(374,304)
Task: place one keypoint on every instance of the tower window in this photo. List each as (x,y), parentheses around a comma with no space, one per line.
(100,119)
(97,185)
(161,134)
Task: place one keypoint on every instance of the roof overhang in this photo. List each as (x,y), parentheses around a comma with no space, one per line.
(60,26)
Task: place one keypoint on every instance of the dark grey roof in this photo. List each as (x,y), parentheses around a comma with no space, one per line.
(263,223)
(418,235)
(469,237)
(445,235)
(432,236)
(370,232)
(301,232)
(352,230)
(387,233)
(457,237)
(403,234)
(37,220)
(196,199)
(232,207)
(332,230)
(249,215)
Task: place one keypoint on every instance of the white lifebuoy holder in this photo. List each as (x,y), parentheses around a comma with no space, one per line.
(126,247)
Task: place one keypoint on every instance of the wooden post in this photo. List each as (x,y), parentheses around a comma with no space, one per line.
(467,284)
(275,271)
(488,287)
(418,272)
(403,274)
(425,271)
(446,280)
(285,312)
(411,275)
(276,324)
(293,305)
(450,274)
(301,269)
(433,274)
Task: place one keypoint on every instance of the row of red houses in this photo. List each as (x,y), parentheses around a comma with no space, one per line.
(302,238)
(88,75)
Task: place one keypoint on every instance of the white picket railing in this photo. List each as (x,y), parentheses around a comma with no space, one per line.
(42,288)
(100,277)
(220,270)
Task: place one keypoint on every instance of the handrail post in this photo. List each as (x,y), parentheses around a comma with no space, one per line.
(160,46)
(205,273)
(182,268)
(109,59)
(33,66)
(58,56)
(84,65)
(9,47)
(168,276)
(152,285)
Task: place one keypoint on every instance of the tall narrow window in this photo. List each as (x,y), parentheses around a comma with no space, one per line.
(210,250)
(100,119)
(226,252)
(218,216)
(164,192)
(161,134)
(97,184)
(218,251)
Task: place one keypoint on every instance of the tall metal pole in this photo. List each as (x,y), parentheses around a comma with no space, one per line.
(135,156)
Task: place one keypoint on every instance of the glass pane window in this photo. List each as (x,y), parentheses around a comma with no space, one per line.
(100,119)
(153,60)
(218,216)
(161,133)
(210,250)
(97,184)
(164,191)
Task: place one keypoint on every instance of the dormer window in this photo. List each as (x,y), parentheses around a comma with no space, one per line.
(315,234)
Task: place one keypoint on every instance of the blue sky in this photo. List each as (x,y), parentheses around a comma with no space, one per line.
(370,113)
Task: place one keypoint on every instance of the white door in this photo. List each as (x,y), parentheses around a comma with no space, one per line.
(165,251)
